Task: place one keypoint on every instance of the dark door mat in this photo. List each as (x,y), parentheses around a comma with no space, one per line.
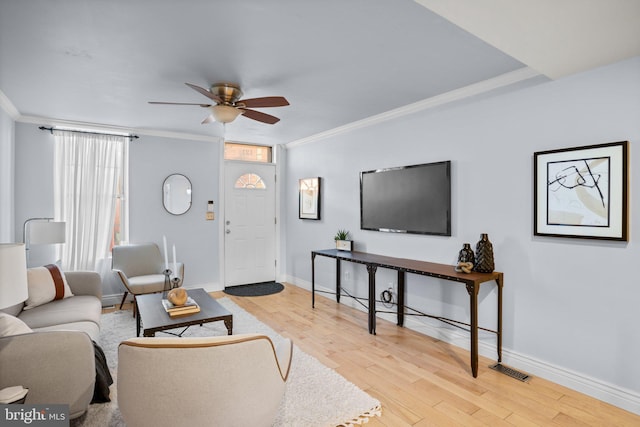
(254,289)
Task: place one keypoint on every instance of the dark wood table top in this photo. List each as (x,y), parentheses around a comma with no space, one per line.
(155,318)
(433,269)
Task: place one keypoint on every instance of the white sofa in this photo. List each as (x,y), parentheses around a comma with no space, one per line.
(56,361)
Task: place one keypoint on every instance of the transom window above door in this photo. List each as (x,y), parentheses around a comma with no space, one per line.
(247,152)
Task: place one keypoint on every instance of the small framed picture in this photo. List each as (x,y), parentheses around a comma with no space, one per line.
(309,199)
(581,192)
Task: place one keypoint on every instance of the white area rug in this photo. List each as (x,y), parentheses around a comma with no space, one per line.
(315,395)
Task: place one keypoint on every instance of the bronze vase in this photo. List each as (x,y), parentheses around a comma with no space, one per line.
(484,255)
(466,254)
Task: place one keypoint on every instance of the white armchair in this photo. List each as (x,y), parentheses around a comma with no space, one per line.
(236,380)
(140,267)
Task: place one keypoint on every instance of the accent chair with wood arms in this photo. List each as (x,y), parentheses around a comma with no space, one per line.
(141,267)
(236,380)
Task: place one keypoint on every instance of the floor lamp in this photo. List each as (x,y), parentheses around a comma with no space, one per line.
(42,231)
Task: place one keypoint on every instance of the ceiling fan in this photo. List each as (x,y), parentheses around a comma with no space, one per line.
(228,105)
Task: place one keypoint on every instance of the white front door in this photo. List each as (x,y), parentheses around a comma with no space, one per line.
(249,223)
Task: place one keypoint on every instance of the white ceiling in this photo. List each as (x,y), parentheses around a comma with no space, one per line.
(340,63)
(556,38)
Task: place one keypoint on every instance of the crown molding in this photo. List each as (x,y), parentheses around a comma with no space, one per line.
(474,89)
(117,129)
(7,105)
(12,111)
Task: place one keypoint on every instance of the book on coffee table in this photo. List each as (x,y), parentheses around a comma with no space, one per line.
(188,307)
(185,311)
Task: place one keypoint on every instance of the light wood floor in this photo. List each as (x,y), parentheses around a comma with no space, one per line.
(421,381)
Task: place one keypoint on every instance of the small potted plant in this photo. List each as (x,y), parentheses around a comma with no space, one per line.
(342,240)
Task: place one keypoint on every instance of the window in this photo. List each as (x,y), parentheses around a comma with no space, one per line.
(89,195)
(247,152)
(250,181)
(120,231)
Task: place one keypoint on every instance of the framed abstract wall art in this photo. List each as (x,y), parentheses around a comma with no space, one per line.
(309,199)
(581,192)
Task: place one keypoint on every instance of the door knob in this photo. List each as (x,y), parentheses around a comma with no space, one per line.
(228,222)
(228,231)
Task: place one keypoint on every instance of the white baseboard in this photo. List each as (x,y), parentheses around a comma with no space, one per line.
(607,392)
(114,299)
(610,393)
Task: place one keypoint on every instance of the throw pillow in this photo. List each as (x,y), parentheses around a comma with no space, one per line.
(46,284)
(11,325)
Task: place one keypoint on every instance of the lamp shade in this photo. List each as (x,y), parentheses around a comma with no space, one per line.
(13,274)
(46,232)
(225,113)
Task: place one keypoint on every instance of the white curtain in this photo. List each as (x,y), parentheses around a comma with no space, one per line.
(86,172)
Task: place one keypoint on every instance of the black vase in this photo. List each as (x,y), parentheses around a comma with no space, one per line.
(466,254)
(484,255)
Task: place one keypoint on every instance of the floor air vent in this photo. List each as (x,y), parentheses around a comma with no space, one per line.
(510,372)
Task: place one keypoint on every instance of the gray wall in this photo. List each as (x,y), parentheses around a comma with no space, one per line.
(33,185)
(6,177)
(570,305)
(151,160)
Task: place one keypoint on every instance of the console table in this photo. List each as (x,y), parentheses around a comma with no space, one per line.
(472,281)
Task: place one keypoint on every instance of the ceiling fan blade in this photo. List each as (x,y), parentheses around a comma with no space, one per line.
(179,103)
(208,119)
(259,116)
(205,92)
(267,101)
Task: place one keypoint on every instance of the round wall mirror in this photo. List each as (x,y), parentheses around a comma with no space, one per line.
(176,194)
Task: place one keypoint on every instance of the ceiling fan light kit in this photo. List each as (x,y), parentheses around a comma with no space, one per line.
(228,105)
(224,113)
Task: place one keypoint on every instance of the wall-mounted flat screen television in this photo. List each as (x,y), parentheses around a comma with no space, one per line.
(410,199)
